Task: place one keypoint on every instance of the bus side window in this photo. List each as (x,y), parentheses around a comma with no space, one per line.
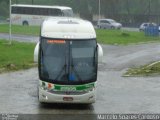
(14,10)
(36,11)
(29,11)
(55,12)
(50,12)
(46,11)
(19,9)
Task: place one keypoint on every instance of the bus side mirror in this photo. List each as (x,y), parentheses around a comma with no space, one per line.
(36,53)
(100,53)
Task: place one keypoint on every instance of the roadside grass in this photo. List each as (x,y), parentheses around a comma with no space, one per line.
(120,37)
(17,56)
(19,29)
(104,36)
(146,70)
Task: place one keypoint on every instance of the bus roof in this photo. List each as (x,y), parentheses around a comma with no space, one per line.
(67,28)
(41,6)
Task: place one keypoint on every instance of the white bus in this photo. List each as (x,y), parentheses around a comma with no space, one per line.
(36,14)
(67,56)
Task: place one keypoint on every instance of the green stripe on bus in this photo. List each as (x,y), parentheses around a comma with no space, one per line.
(70,87)
(74,87)
(77,87)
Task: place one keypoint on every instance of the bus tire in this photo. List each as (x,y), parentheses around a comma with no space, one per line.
(112,27)
(25,23)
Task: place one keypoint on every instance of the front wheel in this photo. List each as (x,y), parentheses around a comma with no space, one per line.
(25,23)
(99,26)
(112,27)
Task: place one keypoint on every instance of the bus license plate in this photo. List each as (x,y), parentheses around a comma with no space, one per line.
(67,99)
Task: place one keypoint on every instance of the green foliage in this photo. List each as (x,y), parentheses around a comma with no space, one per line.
(4,9)
(91,6)
(146,70)
(118,37)
(19,29)
(17,56)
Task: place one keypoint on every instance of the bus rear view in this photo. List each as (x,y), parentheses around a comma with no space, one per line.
(68,61)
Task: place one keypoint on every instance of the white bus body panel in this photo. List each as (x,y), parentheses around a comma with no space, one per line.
(100,53)
(67,28)
(48,97)
(34,20)
(36,53)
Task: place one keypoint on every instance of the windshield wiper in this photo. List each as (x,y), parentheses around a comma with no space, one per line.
(60,73)
(63,68)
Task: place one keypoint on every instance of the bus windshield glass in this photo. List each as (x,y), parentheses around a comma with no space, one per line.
(68,61)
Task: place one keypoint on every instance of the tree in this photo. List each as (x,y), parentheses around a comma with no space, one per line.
(4,8)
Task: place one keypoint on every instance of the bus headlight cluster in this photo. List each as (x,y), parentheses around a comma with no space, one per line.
(43,86)
(46,86)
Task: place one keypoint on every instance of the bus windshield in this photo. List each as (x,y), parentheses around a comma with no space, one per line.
(68,61)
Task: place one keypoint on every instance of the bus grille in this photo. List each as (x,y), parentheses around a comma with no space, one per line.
(68,92)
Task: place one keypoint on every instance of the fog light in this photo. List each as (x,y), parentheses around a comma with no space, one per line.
(91,97)
(45,97)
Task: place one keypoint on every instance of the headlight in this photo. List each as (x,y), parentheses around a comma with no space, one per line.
(46,86)
(43,86)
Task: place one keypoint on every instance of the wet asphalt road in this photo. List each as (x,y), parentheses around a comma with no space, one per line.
(20,38)
(115,94)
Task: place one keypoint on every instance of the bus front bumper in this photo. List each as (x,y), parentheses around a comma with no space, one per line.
(47,97)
